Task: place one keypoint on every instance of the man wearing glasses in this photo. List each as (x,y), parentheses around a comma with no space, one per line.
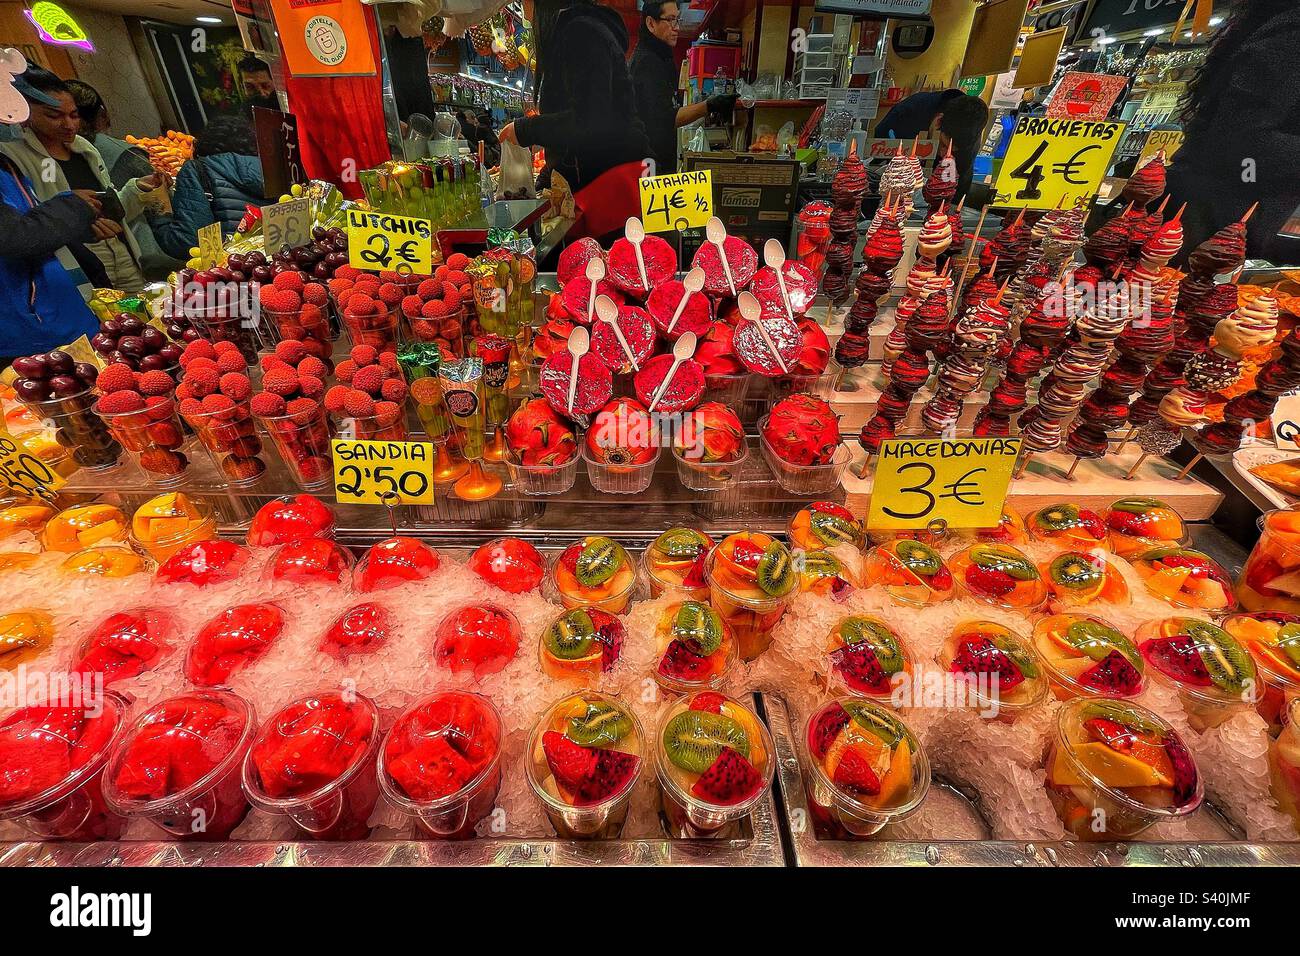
(654,80)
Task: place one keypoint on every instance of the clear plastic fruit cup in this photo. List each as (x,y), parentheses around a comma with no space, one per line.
(300,326)
(804,479)
(153,437)
(229,436)
(51,784)
(674,564)
(446,331)
(1284,764)
(165,524)
(866,769)
(542,480)
(1273,640)
(25,634)
(715,764)
(694,648)
(591,561)
(378,331)
(994,669)
(375,427)
(106,561)
(1114,769)
(698,475)
(82,526)
(865,657)
(821,385)
(1213,675)
(78,428)
(620,479)
(584,759)
(751,617)
(314,762)
(1086,656)
(728,389)
(227,323)
(440,764)
(1269,581)
(178,765)
(303,442)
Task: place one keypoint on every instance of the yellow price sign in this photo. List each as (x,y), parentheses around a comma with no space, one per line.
(211,249)
(1054,163)
(371,472)
(1169,140)
(961,481)
(381,241)
(680,201)
(24,472)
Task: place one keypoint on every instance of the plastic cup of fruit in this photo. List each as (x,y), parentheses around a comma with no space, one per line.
(751,589)
(290,324)
(715,763)
(804,479)
(620,479)
(866,769)
(1270,581)
(51,784)
(229,437)
(1067,526)
(24,516)
(1273,639)
(865,658)
(1136,525)
(440,764)
(1186,578)
(999,575)
(25,634)
(314,762)
(595,572)
(303,441)
(1077,579)
(1002,675)
(446,331)
(153,438)
(1114,769)
(581,644)
(694,647)
(178,765)
(674,564)
(821,385)
(910,572)
(378,331)
(824,524)
(374,428)
(1085,656)
(1214,676)
(698,475)
(310,562)
(84,526)
(166,523)
(106,561)
(77,427)
(225,322)
(542,479)
(290,518)
(125,644)
(827,574)
(584,758)
(1284,764)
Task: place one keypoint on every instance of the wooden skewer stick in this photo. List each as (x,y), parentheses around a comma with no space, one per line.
(965,271)
(1188,469)
(1132,433)
(866,466)
(1024,463)
(1136,465)
(1069,475)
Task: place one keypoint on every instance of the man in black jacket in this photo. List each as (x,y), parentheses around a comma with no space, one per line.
(654,80)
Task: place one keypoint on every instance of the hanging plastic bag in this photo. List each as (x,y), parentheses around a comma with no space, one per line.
(516,181)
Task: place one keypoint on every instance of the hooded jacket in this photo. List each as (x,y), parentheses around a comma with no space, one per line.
(234,180)
(588,122)
(654,79)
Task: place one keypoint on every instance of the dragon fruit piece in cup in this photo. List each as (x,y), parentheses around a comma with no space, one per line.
(695,647)
(1214,676)
(865,657)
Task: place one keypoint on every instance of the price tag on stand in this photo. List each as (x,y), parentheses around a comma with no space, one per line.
(960,481)
(367,472)
(379,241)
(1169,140)
(1055,162)
(1286,423)
(211,249)
(24,472)
(677,202)
(286,223)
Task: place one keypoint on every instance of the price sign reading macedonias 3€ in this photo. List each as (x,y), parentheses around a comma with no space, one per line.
(1053,163)
(960,481)
(381,241)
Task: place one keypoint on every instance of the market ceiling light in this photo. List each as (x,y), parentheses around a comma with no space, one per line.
(56,25)
(1153,33)
(207,19)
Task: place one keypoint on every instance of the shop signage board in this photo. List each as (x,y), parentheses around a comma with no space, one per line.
(324,37)
(372,472)
(1087,96)
(1053,163)
(1006,95)
(1114,17)
(960,481)
(676,202)
(286,223)
(859,102)
(897,9)
(24,472)
(381,241)
(1286,423)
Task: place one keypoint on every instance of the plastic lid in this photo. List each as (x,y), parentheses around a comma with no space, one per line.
(1006,673)
(439,750)
(695,646)
(1000,575)
(865,655)
(1199,659)
(752,566)
(1067,524)
(310,562)
(586,751)
(290,518)
(1089,656)
(1186,578)
(1148,519)
(868,756)
(713,750)
(1273,639)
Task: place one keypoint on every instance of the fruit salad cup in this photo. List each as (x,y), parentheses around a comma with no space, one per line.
(674,564)
(1136,525)
(1271,579)
(290,518)
(1215,676)
(1000,575)
(24,516)
(84,526)
(1085,656)
(178,765)
(866,769)
(51,765)
(751,578)
(314,762)
(715,763)
(477,638)
(910,572)
(831,575)
(581,644)
(24,636)
(1067,526)
(1002,675)
(595,572)
(163,525)
(584,759)
(153,436)
(695,648)
(309,562)
(1284,764)
(824,524)
(441,763)
(1010,529)
(1079,578)
(106,561)
(1273,639)
(1186,578)
(1114,769)
(864,658)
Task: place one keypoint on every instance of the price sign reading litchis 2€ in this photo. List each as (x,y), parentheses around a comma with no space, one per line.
(370,472)
(380,241)
(680,201)
(1055,162)
(962,481)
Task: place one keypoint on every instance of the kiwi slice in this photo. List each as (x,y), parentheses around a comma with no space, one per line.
(570,637)
(603,724)
(1007,560)
(775,571)
(1060,517)
(1137,506)
(698,625)
(1020,655)
(880,722)
(889,653)
(917,557)
(680,543)
(1288,642)
(1096,640)
(1229,664)
(694,739)
(832,529)
(1076,571)
(1124,715)
(598,561)
(820,564)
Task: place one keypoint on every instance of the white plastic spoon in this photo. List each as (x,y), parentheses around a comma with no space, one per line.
(635,233)
(692,284)
(595,273)
(579,342)
(716,233)
(753,312)
(774,259)
(683,349)
(607,311)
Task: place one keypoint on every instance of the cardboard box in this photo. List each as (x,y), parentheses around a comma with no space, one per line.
(754,194)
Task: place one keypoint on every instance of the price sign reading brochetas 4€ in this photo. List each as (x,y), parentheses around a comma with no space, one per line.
(371,472)
(960,481)
(24,472)
(680,201)
(381,241)
(286,223)
(1054,163)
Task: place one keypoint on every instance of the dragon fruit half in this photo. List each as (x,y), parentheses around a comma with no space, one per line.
(803,430)
(539,436)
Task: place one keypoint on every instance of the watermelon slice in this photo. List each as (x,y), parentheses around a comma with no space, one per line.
(683,392)
(660,265)
(730,780)
(595,383)
(697,316)
(753,351)
(638,331)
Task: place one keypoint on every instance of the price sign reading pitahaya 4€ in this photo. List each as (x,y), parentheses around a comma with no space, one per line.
(372,472)
(677,202)
(960,481)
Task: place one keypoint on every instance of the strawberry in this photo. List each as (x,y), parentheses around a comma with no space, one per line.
(695,576)
(1093,523)
(570,557)
(1259,572)
(854,773)
(989,581)
(941,580)
(1126,522)
(708,700)
(746,554)
(571,764)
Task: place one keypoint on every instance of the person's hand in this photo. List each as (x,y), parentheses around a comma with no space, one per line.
(105,228)
(89,197)
(153,181)
(507,135)
(721,104)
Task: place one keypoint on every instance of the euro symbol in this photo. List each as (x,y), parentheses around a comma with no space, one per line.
(1070,168)
(678,201)
(1288,431)
(406,251)
(965,490)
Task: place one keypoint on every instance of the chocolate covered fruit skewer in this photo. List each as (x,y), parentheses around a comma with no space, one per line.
(881,255)
(976,338)
(934,239)
(847,189)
